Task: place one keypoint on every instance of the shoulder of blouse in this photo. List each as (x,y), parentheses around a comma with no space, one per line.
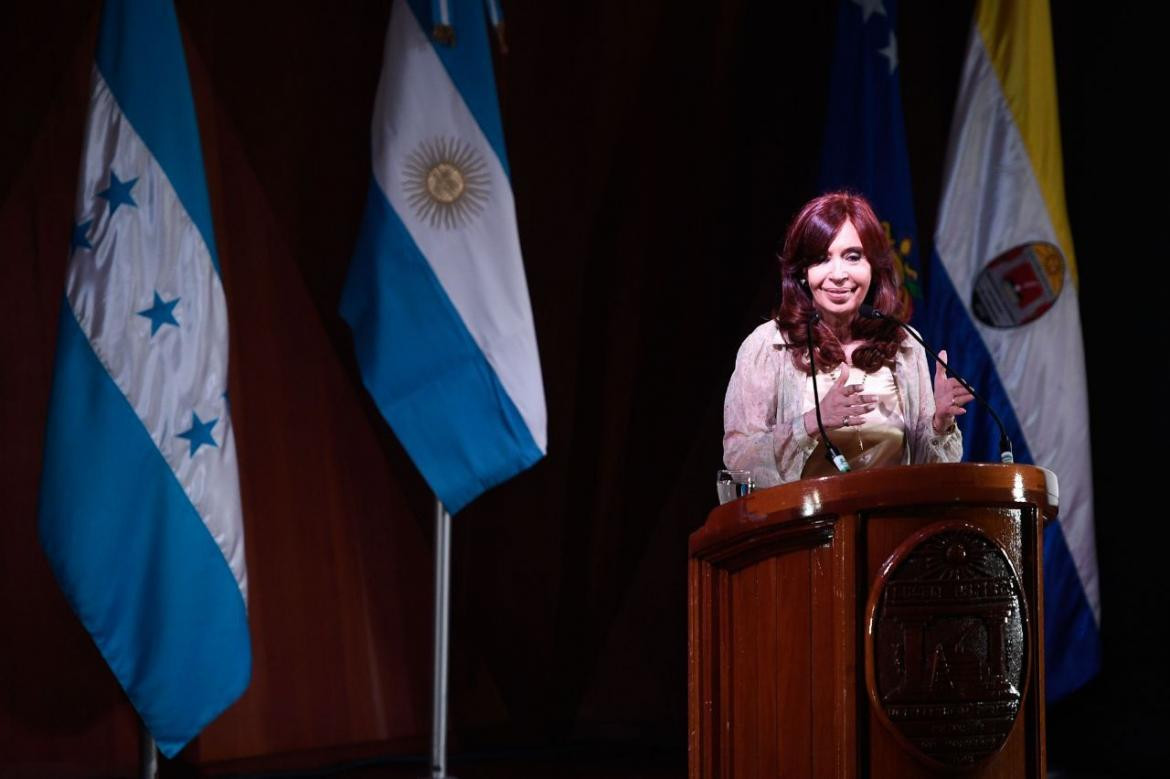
(909,346)
(778,338)
(766,334)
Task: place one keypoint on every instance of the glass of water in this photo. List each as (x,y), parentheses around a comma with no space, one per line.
(733,484)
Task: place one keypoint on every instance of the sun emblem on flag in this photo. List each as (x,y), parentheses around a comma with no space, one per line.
(447,182)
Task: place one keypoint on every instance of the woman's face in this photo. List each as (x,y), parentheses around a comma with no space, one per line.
(839,282)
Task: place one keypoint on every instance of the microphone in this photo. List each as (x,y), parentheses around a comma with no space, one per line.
(1005,443)
(832,453)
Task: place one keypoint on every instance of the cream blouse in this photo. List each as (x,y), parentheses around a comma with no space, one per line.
(763,411)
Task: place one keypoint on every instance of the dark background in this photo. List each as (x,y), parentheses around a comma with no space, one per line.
(657,151)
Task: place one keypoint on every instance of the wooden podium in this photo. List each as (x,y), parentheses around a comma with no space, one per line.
(884,623)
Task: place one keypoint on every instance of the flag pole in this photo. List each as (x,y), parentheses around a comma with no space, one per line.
(147,753)
(442,621)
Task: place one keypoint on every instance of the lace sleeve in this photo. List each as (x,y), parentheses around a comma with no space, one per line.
(758,436)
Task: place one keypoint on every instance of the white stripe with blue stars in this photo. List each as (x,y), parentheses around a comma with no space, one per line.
(144,290)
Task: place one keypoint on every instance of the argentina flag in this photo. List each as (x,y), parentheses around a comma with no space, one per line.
(1003,299)
(140,503)
(865,135)
(436,294)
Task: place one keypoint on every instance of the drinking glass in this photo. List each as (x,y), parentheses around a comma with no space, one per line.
(731,484)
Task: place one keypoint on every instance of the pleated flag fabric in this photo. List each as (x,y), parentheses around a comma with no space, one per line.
(436,294)
(1002,299)
(140,505)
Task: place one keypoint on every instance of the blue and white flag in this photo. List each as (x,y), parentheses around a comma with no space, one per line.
(1002,299)
(436,294)
(865,136)
(140,500)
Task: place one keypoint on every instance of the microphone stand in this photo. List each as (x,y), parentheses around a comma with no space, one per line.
(1005,443)
(832,453)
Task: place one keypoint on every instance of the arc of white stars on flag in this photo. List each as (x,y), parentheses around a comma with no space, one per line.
(870,7)
(890,52)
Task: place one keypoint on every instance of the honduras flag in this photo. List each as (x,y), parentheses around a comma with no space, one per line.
(436,295)
(140,500)
(865,137)
(1002,297)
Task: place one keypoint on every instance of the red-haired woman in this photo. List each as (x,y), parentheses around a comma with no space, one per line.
(878,402)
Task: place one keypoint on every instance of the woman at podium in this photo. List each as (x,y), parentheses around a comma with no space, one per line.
(879,403)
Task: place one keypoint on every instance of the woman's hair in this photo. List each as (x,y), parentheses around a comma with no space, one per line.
(806,244)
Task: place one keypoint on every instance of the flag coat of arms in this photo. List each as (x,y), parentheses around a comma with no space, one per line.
(436,295)
(1002,298)
(139,510)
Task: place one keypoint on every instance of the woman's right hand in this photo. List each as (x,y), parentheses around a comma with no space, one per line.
(843,405)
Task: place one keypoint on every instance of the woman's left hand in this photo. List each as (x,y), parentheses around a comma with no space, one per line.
(949,397)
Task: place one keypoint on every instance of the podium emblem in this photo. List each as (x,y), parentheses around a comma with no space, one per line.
(946,661)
